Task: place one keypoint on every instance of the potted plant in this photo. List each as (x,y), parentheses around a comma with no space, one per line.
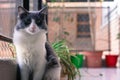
(68,68)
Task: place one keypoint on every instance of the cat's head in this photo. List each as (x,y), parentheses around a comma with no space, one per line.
(31,22)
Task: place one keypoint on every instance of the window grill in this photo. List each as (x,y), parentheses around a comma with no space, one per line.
(83,26)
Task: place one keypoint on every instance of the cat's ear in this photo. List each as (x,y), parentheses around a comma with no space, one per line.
(44,10)
(21,10)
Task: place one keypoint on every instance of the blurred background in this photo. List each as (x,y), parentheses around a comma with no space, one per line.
(88,26)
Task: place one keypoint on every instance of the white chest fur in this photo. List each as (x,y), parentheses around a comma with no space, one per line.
(31,50)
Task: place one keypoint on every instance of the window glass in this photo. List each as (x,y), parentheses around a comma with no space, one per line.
(83,27)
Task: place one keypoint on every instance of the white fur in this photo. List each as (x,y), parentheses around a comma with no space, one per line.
(31,52)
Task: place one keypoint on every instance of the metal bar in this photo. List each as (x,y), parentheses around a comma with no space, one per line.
(26,4)
(39,4)
(4,38)
(82,7)
(110,12)
(109,28)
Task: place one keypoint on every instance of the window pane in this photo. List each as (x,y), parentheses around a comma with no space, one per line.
(82,17)
(83,28)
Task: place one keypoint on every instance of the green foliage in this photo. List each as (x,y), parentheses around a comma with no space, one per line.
(63,53)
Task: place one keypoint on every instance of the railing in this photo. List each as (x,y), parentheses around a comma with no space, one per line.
(7,49)
(4,38)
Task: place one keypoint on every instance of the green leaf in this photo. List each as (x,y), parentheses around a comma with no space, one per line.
(63,53)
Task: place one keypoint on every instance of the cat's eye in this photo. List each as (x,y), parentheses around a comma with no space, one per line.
(27,21)
(39,22)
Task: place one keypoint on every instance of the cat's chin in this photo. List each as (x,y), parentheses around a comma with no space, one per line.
(32,33)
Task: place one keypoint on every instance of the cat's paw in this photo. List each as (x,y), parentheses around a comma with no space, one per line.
(53,62)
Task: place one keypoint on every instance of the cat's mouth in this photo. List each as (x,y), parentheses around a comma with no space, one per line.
(35,30)
(32,30)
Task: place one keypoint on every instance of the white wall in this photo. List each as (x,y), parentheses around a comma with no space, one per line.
(114,24)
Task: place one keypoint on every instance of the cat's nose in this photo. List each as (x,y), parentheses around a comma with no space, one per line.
(33,27)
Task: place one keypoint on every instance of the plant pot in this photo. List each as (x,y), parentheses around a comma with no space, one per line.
(80,56)
(111,60)
(77,60)
(93,59)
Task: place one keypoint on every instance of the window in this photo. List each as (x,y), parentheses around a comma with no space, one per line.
(83,26)
(82,17)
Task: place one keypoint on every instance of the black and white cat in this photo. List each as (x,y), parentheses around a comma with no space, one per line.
(34,54)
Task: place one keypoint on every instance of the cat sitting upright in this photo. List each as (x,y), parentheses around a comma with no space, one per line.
(34,54)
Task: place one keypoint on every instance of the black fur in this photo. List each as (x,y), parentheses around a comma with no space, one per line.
(27,17)
(18,73)
(51,57)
